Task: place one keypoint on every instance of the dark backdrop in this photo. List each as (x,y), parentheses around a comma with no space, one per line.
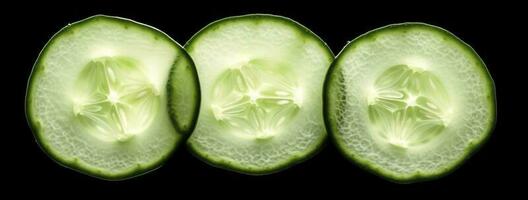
(494,31)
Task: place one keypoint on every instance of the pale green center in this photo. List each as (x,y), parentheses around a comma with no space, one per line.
(256,98)
(114,99)
(408,106)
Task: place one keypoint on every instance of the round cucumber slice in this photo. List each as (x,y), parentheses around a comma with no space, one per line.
(97,99)
(261,82)
(409,101)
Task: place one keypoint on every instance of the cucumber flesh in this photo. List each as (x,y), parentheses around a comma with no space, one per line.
(114,99)
(261,80)
(409,102)
(97,100)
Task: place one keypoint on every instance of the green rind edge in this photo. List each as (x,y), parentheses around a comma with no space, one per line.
(196,97)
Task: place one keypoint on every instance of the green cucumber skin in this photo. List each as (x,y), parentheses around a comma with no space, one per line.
(35,126)
(221,164)
(187,68)
(240,170)
(418,177)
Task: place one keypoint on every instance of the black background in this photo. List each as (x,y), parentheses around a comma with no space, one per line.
(494,31)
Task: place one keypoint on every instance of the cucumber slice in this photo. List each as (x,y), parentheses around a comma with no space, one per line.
(97,100)
(409,101)
(261,82)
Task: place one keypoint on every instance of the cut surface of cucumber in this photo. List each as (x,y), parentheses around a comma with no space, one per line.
(409,101)
(97,99)
(261,80)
